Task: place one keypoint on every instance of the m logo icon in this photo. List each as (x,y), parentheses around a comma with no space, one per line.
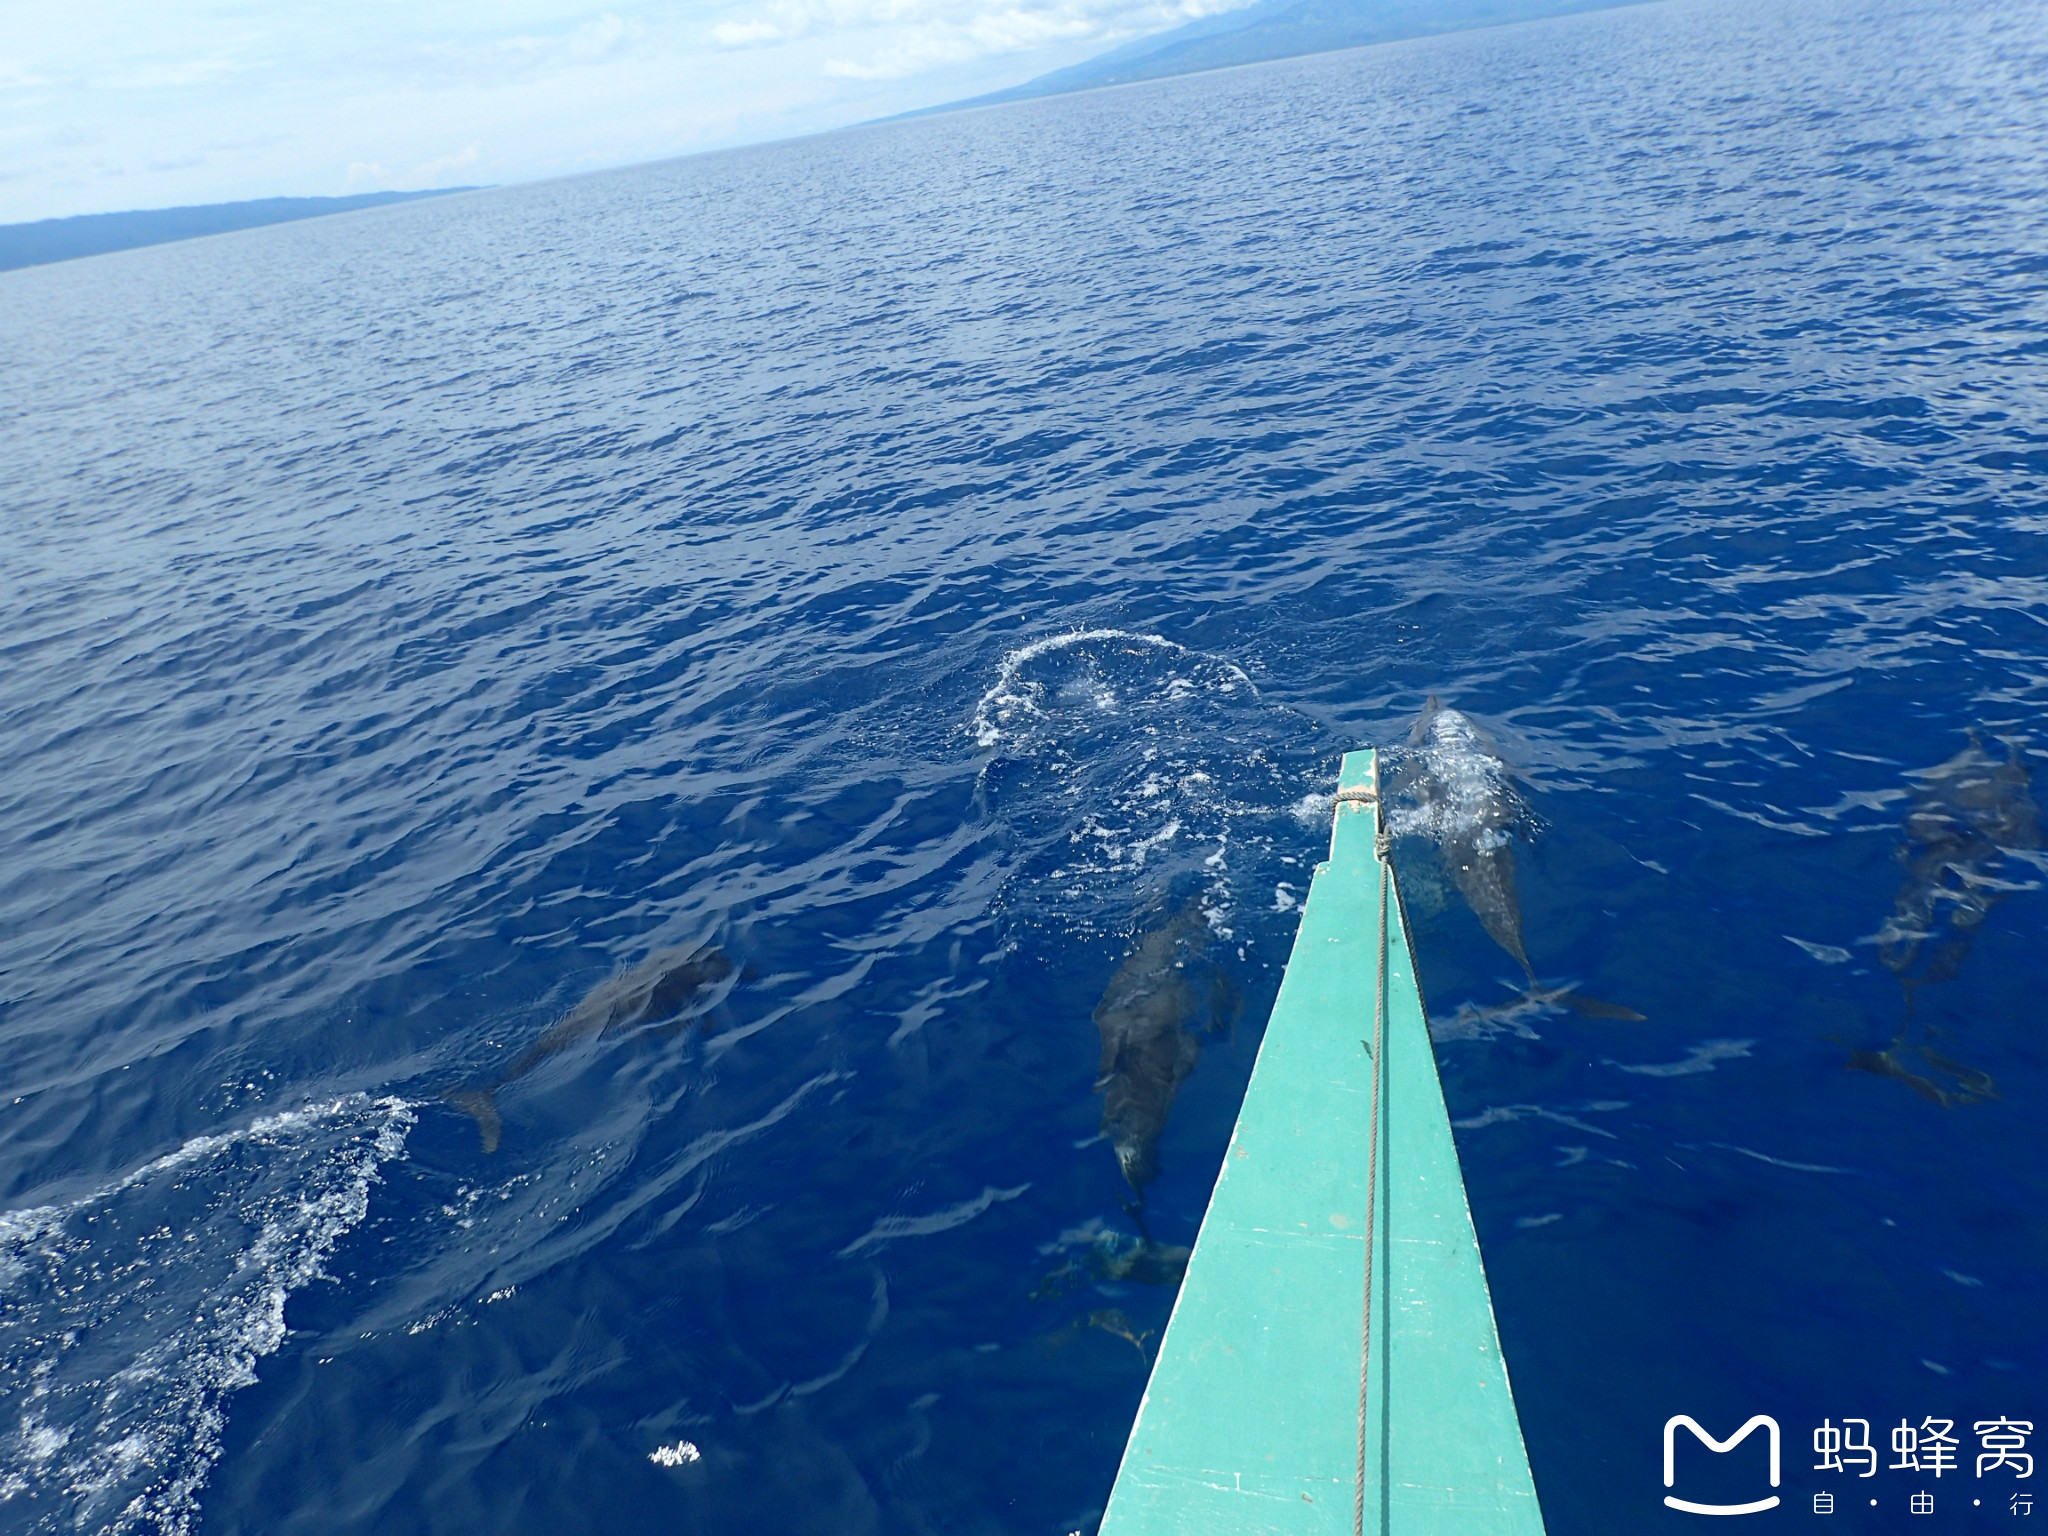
(1671,1463)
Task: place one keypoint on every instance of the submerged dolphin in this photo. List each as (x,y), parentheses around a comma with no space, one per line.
(656,990)
(1466,802)
(1968,814)
(1970,1087)
(1146,1050)
(1117,1256)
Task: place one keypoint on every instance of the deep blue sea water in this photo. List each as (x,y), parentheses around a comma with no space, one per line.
(916,560)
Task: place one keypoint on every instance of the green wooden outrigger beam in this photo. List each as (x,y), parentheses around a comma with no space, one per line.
(1285,1398)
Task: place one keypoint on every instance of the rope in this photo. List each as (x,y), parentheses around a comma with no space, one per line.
(1382,842)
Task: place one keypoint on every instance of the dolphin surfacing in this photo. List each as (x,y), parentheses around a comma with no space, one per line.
(1147,1051)
(657,990)
(1464,799)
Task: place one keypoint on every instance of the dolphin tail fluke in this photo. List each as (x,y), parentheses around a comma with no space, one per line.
(482,1107)
(1593,1008)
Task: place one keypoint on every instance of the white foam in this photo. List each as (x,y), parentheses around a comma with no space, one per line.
(1461,791)
(1010,700)
(1008,697)
(133,1311)
(1313,810)
(1131,769)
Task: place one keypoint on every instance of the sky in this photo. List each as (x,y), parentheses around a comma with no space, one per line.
(119,104)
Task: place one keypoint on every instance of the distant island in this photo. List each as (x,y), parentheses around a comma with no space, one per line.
(93,234)
(1278,29)
(1266,29)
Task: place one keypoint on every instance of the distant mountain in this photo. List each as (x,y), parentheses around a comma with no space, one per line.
(91,234)
(1280,29)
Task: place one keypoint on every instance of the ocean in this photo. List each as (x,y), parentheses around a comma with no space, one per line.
(918,562)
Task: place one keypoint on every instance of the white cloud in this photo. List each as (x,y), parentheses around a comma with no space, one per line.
(746,34)
(907,37)
(19,77)
(597,39)
(173,74)
(590,43)
(110,104)
(913,49)
(442,169)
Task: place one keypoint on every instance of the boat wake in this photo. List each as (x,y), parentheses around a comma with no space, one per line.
(133,1311)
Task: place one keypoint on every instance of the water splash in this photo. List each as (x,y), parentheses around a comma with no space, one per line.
(1454,785)
(133,1311)
(1014,704)
(1132,767)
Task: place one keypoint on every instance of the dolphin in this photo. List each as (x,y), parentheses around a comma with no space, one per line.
(1146,1051)
(1971,1086)
(1114,1257)
(656,990)
(1111,1320)
(1968,815)
(1466,802)
(1144,1261)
